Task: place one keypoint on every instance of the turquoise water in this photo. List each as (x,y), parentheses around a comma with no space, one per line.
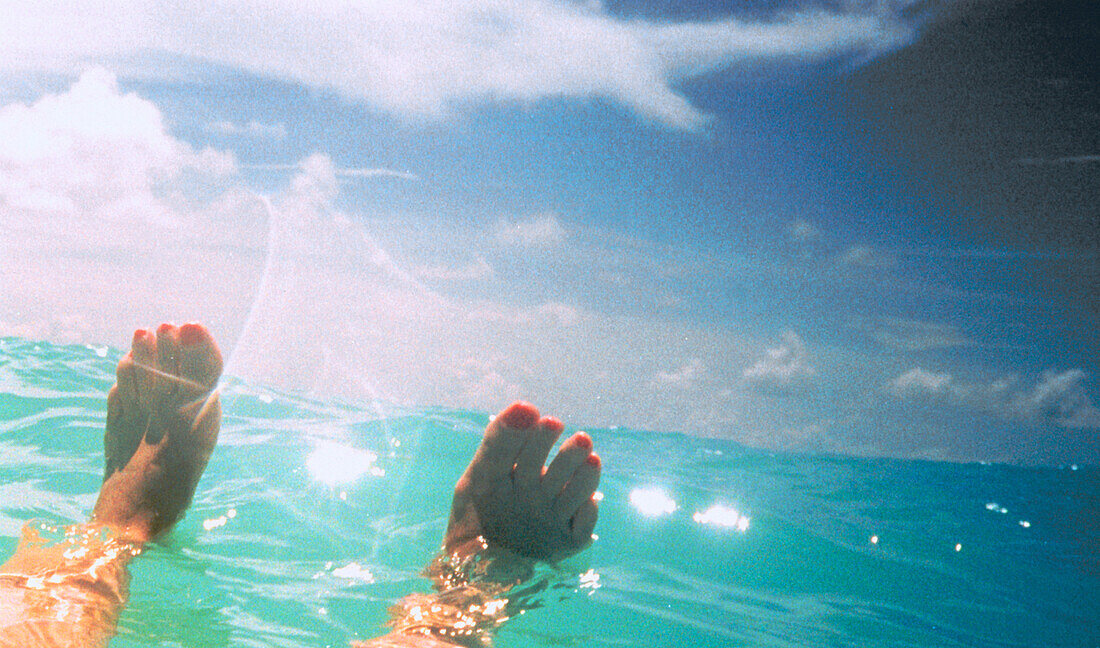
(314,517)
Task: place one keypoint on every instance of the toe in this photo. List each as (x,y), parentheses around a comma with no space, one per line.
(579,489)
(142,370)
(532,457)
(165,380)
(572,454)
(200,360)
(129,402)
(168,348)
(504,438)
(125,380)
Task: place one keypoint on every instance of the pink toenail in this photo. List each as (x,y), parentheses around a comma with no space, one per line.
(191,333)
(583,440)
(552,423)
(593,460)
(520,415)
(139,335)
(165,328)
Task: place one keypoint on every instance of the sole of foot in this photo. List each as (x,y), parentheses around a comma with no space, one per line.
(509,498)
(163,416)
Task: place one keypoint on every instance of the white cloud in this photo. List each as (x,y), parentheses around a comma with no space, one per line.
(543,230)
(253,128)
(91,156)
(784,364)
(426,58)
(111,223)
(558,313)
(1061,397)
(483,379)
(682,377)
(137,227)
(304,297)
(1053,397)
(374,172)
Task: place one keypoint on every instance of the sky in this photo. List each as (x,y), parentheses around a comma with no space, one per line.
(849,227)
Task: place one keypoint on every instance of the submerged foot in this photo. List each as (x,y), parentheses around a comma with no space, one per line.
(162,424)
(509,498)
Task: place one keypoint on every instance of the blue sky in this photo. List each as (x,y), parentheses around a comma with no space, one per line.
(823,227)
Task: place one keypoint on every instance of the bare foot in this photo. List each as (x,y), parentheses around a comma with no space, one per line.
(508,499)
(162,424)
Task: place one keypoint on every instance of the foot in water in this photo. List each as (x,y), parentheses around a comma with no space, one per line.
(508,504)
(162,423)
(508,498)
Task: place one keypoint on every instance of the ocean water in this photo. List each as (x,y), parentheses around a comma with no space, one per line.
(314,517)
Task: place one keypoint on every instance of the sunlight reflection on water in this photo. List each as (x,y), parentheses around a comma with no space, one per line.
(652,501)
(333,463)
(723,516)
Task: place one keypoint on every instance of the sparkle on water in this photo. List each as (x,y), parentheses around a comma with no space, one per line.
(652,501)
(313,518)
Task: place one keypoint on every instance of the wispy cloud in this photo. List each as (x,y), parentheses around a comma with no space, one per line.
(426,59)
(253,129)
(911,335)
(866,257)
(477,269)
(803,230)
(543,230)
(340,172)
(1059,161)
(918,380)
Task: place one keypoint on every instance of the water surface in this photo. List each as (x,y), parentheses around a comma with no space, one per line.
(314,517)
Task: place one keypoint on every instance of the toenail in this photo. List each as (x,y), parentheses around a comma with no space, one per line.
(520,415)
(165,328)
(191,333)
(552,423)
(593,460)
(583,440)
(139,335)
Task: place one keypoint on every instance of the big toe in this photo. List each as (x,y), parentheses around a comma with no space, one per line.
(532,458)
(504,438)
(200,359)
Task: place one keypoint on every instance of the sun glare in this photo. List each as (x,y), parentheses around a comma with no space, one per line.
(333,463)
